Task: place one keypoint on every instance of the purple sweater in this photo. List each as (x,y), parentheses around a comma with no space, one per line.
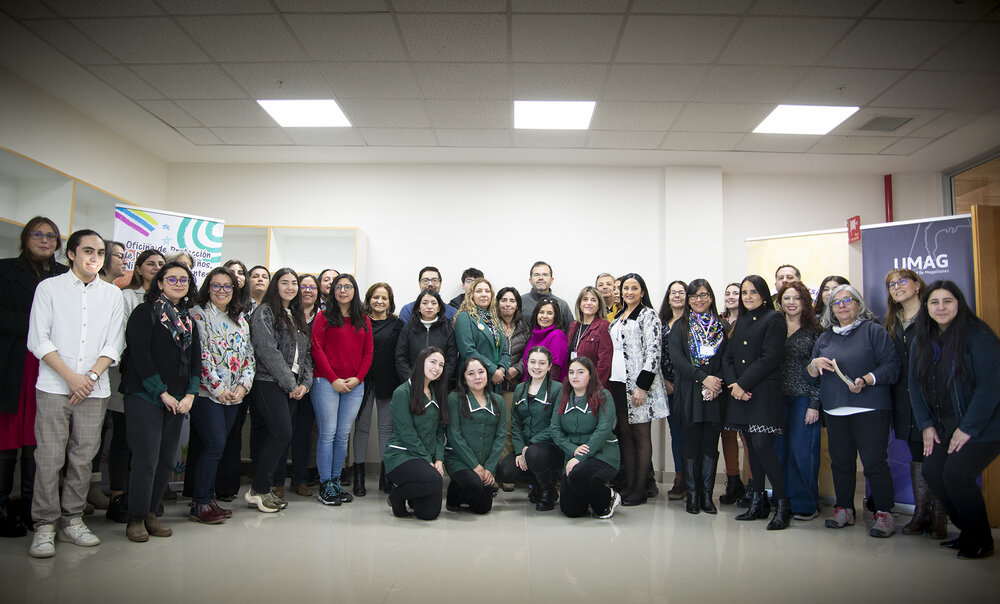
(554,339)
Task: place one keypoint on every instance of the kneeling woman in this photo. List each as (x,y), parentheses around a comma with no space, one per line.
(582,429)
(476,435)
(415,452)
(535,459)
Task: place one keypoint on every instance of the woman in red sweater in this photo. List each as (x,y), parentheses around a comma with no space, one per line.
(342,351)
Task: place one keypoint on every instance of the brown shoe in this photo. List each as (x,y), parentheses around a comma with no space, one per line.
(136,531)
(220,510)
(97,498)
(303,490)
(279,492)
(678,491)
(156,528)
(206,514)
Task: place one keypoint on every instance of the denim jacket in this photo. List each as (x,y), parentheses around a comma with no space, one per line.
(275,348)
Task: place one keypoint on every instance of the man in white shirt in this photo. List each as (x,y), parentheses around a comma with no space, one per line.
(76,331)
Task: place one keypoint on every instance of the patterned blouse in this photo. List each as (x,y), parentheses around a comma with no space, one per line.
(227,358)
(798,354)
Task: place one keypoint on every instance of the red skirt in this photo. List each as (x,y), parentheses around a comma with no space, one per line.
(18,429)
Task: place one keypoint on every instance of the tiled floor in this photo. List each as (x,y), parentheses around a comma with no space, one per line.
(359,553)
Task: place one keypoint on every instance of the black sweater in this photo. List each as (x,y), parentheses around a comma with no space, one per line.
(382,375)
(414,337)
(155,363)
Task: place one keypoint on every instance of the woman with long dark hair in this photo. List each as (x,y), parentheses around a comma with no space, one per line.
(673,308)
(697,345)
(428,326)
(342,348)
(478,333)
(546,331)
(414,455)
(735,490)
(517,332)
(242,293)
(752,371)
(826,287)
(955,392)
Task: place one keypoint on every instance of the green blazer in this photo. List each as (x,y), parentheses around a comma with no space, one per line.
(477,440)
(413,436)
(530,416)
(474,340)
(577,425)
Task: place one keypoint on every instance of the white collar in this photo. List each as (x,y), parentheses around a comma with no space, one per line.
(476,407)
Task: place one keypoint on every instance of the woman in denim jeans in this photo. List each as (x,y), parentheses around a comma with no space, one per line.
(342,349)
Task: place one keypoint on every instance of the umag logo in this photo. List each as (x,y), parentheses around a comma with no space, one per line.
(921,263)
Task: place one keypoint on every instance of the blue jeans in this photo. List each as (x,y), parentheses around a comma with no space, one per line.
(798,451)
(676,440)
(335,413)
(212,422)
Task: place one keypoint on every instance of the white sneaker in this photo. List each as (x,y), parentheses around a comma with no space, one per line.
(78,533)
(43,544)
(616,500)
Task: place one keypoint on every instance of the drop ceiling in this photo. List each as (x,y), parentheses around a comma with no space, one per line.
(423,81)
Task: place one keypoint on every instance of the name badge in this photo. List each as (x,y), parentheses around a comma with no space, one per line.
(706,350)
(572,355)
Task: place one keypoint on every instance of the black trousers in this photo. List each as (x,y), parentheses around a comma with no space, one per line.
(701,439)
(275,409)
(952,479)
(764,462)
(420,484)
(153,432)
(303,420)
(544,462)
(865,434)
(466,487)
(586,487)
(227,478)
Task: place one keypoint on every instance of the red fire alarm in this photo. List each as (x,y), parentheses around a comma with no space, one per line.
(854,229)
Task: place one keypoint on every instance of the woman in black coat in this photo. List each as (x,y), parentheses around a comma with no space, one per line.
(752,370)
(428,326)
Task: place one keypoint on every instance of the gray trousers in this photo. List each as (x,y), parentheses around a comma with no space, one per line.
(363,422)
(67,435)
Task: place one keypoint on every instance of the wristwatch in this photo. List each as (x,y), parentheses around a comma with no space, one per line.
(92,375)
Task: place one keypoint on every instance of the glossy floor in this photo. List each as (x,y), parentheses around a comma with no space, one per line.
(359,553)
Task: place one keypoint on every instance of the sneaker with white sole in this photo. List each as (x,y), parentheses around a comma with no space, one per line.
(262,501)
(616,500)
(328,494)
(883,526)
(78,533)
(43,544)
(840,518)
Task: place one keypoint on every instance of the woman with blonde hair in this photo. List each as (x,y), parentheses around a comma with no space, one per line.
(478,333)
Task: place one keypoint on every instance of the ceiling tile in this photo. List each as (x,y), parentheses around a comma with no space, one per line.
(557,82)
(228,114)
(777,143)
(437,37)
(67,39)
(907,146)
(729,83)
(891,44)
(398,137)
(33,9)
(200,136)
(956,9)
(252,136)
(945,124)
(216,7)
(943,90)
(549,139)
(569,6)
(125,81)
(854,145)
(326,6)
(720,117)
(350,37)
(658,39)
(244,38)
(611,139)
(325,136)
(207,81)
(473,138)
(105,8)
(653,82)
(170,113)
(917,117)
(977,50)
(143,40)
(470,114)
(686,7)
(279,80)
(449,6)
(783,40)
(610,115)
(385,113)
(464,80)
(701,141)
(371,80)
(836,86)
(564,38)
(813,8)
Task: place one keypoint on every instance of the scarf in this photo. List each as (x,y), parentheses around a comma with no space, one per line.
(487,318)
(176,320)
(706,332)
(843,331)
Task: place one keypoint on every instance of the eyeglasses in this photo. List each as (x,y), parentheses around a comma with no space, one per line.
(343,287)
(469,281)
(119,255)
(177,280)
(426,281)
(701,296)
(307,288)
(844,301)
(216,287)
(898,283)
(40,236)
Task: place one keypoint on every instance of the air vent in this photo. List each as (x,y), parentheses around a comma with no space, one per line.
(884,123)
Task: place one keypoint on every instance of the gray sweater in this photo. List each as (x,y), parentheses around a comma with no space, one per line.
(275,351)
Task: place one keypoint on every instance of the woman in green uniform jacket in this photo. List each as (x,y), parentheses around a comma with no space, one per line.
(535,458)
(414,455)
(478,333)
(476,436)
(582,429)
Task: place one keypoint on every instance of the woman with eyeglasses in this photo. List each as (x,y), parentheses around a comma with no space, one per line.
(227,370)
(545,331)
(161,382)
(342,349)
(19,276)
(671,309)
(823,294)
(856,364)
(478,333)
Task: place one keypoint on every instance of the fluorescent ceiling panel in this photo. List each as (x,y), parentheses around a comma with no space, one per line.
(316,113)
(803,119)
(553,115)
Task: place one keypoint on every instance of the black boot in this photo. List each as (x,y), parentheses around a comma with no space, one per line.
(734,490)
(922,505)
(10,526)
(652,490)
(546,498)
(693,503)
(760,507)
(709,466)
(534,491)
(782,515)
(384,484)
(359,480)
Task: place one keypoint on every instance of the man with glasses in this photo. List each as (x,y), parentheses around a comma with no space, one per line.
(469,277)
(76,330)
(430,278)
(540,277)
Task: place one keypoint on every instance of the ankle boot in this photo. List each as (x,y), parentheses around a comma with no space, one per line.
(9,525)
(652,490)
(384,484)
(760,507)
(156,528)
(677,491)
(937,527)
(692,505)
(921,501)
(782,515)
(734,489)
(359,480)
(546,498)
(709,466)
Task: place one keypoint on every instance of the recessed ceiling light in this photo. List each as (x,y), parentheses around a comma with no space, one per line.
(803,119)
(553,115)
(315,113)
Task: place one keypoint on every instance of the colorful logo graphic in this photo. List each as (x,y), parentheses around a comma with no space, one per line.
(137,220)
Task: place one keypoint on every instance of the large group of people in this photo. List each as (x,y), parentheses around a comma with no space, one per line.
(493,390)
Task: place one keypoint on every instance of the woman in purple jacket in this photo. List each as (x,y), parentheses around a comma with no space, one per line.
(545,331)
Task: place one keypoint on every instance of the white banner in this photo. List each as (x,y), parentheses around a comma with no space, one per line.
(140,229)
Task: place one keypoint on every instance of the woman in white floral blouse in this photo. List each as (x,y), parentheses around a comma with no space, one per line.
(227,371)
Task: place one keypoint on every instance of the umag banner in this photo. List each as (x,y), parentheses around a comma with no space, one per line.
(140,229)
